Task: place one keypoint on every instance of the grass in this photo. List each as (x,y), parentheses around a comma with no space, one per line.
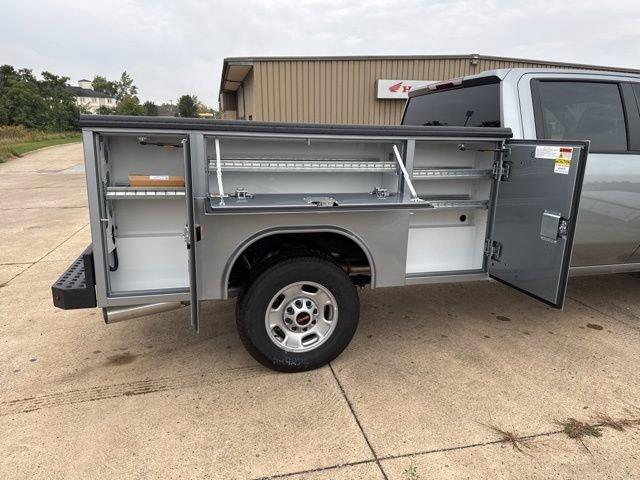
(518,442)
(15,141)
(571,427)
(619,424)
(411,472)
(578,430)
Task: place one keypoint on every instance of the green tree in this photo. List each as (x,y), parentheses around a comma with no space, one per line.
(150,109)
(188,106)
(168,109)
(101,84)
(45,104)
(61,112)
(104,110)
(115,88)
(20,99)
(129,105)
(125,87)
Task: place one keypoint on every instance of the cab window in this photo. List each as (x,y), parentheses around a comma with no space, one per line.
(593,111)
(472,106)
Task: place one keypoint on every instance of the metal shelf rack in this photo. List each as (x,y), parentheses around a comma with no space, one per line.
(449,173)
(327,165)
(144,193)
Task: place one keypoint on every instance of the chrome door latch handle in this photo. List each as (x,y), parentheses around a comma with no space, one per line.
(553,226)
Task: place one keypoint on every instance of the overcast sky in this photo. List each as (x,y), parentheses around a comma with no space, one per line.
(175,47)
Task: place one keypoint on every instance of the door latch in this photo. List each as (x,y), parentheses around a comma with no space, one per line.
(553,226)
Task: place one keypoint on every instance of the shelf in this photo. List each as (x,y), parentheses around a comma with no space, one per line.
(343,201)
(327,165)
(291,202)
(144,193)
(449,173)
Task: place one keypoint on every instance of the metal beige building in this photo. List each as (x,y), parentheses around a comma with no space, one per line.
(360,90)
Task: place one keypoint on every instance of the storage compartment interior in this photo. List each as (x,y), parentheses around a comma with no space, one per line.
(446,240)
(451,237)
(300,171)
(145,242)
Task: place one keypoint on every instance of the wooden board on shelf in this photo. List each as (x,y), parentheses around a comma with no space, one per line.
(156,180)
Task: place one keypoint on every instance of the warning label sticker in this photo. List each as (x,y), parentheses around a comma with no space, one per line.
(562,166)
(547,151)
(561,155)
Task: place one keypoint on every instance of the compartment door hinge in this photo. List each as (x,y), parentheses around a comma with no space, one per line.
(501,169)
(492,249)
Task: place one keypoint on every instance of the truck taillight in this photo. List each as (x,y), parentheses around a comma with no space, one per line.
(454,82)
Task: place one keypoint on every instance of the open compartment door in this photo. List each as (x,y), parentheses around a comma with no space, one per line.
(191,235)
(535,212)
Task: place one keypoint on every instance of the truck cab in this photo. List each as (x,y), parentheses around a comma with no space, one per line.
(561,104)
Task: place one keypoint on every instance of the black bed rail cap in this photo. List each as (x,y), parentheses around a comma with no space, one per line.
(98,122)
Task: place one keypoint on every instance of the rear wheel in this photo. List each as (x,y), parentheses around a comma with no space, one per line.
(299,314)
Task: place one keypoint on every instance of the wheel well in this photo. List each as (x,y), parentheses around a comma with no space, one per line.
(265,251)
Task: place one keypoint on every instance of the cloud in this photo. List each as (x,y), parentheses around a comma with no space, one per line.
(172,48)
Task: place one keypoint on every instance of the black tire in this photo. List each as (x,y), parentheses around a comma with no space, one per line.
(253,303)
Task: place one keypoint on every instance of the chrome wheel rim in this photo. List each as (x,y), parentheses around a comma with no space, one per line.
(301,317)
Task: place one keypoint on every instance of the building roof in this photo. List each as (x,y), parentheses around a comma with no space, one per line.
(468,56)
(234,69)
(86,92)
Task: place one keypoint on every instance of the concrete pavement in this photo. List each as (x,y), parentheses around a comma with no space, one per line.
(431,370)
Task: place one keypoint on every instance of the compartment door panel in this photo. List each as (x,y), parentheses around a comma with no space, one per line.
(534,217)
(191,235)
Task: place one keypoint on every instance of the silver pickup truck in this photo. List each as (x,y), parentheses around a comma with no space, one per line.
(483,181)
(560,104)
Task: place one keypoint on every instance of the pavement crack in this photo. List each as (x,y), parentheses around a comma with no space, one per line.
(353,412)
(467,446)
(608,315)
(316,470)
(50,252)
(377,460)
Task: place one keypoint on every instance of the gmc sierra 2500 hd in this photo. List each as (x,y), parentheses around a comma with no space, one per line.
(290,218)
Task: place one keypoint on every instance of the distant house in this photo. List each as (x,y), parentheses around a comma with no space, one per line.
(87,97)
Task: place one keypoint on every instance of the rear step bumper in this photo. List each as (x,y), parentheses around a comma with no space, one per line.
(76,287)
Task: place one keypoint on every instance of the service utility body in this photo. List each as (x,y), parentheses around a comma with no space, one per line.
(292,218)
